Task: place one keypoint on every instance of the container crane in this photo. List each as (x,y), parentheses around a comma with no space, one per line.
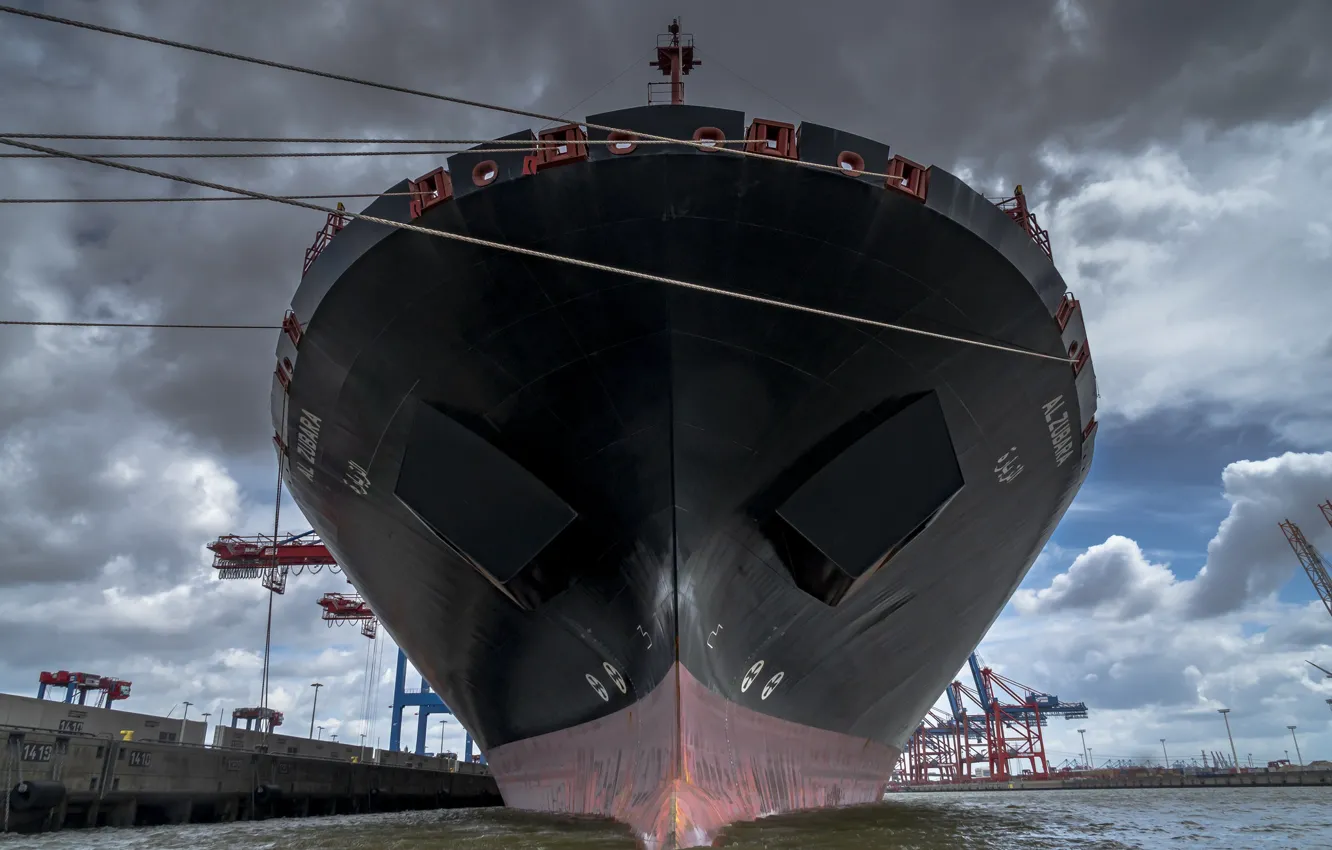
(112,691)
(257,717)
(1003,726)
(265,557)
(972,732)
(427,702)
(1015,727)
(342,608)
(931,751)
(78,685)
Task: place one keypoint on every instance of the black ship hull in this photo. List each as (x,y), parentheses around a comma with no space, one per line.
(674,557)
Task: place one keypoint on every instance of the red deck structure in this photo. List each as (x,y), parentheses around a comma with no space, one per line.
(1016,208)
(335,222)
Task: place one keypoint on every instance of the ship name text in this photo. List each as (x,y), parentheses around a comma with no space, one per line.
(1008,466)
(357,478)
(307,442)
(1061,431)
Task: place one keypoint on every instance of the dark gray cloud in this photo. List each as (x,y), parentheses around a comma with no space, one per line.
(125,451)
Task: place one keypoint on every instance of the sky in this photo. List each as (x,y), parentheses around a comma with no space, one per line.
(1180,155)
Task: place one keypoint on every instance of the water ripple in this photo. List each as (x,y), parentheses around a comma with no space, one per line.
(1212,818)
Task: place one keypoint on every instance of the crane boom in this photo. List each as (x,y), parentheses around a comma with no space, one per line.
(1311,561)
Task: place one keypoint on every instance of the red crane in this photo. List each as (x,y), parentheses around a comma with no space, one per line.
(1309,558)
(265,557)
(998,723)
(931,753)
(1014,728)
(257,716)
(78,685)
(342,608)
(973,734)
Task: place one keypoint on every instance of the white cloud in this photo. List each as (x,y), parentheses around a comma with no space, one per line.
(1249,557)
(1247,560)
(1154,655)
(1112,579)
(1202,270)
(1160,676)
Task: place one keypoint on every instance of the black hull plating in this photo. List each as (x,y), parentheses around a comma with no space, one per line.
(570,477)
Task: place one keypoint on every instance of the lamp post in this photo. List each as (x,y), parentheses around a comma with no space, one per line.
(206,715)
(183,715)
(1164,757)
(1086,758)
(1298,757)
(441,735)
(316,686)
(1225,714)
(1089,759)
(321,733)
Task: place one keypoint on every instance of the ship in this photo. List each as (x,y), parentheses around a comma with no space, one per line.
(685,555)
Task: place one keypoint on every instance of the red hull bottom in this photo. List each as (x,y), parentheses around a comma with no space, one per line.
(683,762)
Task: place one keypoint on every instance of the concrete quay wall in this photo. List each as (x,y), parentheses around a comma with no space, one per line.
(53,780)
(1237,780)
(75,719)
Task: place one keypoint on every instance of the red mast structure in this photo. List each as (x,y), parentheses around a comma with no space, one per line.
(675,58)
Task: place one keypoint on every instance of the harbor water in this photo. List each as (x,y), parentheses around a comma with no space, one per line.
(1103,819)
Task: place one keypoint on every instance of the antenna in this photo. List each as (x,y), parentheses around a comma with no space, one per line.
(675,57)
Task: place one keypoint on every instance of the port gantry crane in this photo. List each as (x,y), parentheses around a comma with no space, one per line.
(259,556)
(342,608)
(265,557)
(78,685)
(931,751)
(983,729)
(236,557)
(262,718)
